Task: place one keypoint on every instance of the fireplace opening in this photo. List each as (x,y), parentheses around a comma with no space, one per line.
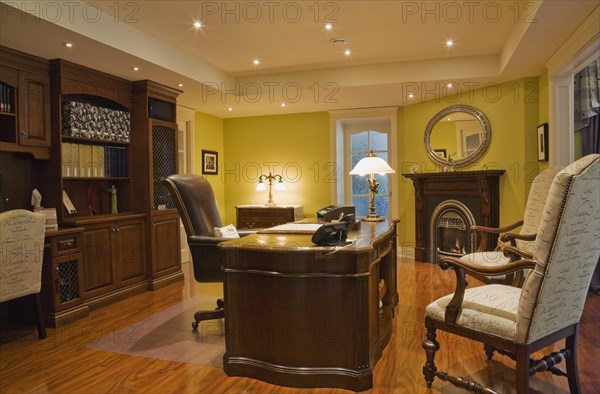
(449,230)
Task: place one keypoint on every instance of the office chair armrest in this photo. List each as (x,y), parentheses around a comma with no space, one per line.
(461,267)
(202,240)
(499,230)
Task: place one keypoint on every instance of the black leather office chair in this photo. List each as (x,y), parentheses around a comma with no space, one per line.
(197,208)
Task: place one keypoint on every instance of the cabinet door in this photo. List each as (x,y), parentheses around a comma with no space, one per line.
(34,109)
(165,245)
(130,252)
(98,272)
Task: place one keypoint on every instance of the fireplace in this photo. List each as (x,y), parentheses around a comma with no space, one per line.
(449,230)
(447,204)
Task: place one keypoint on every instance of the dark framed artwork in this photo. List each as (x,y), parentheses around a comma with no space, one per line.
(542,142)
(210,162)
(440,153)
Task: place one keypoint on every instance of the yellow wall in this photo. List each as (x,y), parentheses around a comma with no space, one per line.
(208,135)
(512,109)
(295,146)
(298,147)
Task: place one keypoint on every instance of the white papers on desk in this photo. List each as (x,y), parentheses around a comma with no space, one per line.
(292,228)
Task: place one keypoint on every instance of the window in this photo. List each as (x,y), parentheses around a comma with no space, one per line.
(361,143)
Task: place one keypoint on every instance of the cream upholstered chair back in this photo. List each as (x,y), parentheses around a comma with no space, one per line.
(566,251)
(534,208)
(21,253)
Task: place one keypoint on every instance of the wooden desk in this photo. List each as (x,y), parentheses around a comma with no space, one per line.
(305,316)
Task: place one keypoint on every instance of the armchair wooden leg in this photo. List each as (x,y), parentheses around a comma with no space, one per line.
(41,325)
(572,371)
(522,370)
(431,346)
(489,351)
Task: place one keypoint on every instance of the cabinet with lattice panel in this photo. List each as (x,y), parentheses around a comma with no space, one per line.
(62,275)
(154,154)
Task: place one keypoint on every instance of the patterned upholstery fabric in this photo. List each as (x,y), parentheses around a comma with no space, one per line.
(21,253)
(535,205)
(491,309)
(531,220)
(566,251)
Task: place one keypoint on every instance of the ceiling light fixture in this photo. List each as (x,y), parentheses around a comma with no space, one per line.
(68,44)
(256,62)
(134,68)
(449,85)
(410,95)
(283,104)
(229,109)
(449,43)
(328,26)
(197,25)
(180,85)
(347,52)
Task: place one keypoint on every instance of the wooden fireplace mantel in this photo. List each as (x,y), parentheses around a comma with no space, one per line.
(479,190)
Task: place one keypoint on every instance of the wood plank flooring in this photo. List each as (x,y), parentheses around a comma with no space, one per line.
(62,363)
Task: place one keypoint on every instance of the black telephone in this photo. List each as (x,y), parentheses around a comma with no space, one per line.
(334,234)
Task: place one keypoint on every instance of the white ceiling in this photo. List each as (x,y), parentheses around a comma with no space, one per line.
(397,47)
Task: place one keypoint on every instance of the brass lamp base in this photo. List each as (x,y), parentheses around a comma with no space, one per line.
(373,218)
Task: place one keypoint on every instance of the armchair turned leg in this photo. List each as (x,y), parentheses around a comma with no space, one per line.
(431,346)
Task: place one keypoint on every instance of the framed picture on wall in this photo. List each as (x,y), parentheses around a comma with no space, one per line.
(440,152)
(542,142)
(210,162)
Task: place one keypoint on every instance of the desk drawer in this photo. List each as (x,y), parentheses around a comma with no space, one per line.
(66,244)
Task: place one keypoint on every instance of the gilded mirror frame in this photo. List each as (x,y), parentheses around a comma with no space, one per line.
(475,155)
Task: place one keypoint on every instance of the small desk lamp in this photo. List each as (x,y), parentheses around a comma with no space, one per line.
(271,178)
(372,165)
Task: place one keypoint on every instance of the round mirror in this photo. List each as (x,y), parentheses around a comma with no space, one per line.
(457,136)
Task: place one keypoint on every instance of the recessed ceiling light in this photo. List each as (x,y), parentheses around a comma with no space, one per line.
(283,104)
(347,52)
(410,95)
(134,68)
(449,43)
(449,85)
(180,85)
(328,26)
(68,44)
(256,62)
(229,109)
(197,25)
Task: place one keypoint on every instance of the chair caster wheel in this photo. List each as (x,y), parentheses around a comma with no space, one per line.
(195,325)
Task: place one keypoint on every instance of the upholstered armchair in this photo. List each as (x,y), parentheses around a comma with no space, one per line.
(197,208)
(518,245)
(517,322)
(21,256)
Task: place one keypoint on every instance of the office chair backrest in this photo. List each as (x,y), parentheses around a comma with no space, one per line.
(21,253)
(566,251)
(195,202)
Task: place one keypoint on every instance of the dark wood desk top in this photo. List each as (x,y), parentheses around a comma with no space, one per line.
(362,239)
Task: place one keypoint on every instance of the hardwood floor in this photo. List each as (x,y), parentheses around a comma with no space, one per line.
(62,363)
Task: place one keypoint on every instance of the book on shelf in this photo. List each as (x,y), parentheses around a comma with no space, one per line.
(93,161)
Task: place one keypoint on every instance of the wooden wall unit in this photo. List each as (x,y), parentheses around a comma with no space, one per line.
(97,256)
(154,155)
(25,122)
